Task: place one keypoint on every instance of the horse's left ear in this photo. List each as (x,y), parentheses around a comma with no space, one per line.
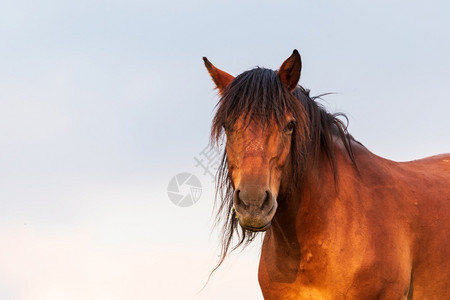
(290,70)
(221,79)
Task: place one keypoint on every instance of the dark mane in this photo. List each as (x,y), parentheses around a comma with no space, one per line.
(259,93)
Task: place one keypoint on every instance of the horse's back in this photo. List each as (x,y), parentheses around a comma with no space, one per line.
(439,162)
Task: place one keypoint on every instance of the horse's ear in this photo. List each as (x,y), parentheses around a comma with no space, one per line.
(221,79)
(289,71)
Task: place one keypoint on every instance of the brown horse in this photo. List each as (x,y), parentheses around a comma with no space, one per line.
(340,222)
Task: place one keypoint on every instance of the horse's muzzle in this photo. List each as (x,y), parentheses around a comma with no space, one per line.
(255,207)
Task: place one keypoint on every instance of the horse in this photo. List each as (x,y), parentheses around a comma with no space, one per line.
(339,222)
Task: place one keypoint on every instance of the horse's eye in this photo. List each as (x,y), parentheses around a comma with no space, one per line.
(289,127)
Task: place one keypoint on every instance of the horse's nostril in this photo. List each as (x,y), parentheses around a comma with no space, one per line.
(267,199)
(237,199)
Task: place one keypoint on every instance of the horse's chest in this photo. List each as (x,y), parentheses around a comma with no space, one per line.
(303,287)
(324,271)
(294,274)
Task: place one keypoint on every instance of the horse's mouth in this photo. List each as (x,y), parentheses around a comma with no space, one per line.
(257,229)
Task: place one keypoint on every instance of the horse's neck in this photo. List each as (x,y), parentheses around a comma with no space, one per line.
(300,220)
(307,203)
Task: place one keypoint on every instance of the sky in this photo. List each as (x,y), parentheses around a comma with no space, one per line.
(102,103)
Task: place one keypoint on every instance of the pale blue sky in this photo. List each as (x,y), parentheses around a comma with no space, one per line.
(102,102)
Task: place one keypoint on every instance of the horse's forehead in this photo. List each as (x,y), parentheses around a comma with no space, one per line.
(256,137)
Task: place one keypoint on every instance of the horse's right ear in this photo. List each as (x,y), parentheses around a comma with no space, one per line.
(290,70)
(221,79)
